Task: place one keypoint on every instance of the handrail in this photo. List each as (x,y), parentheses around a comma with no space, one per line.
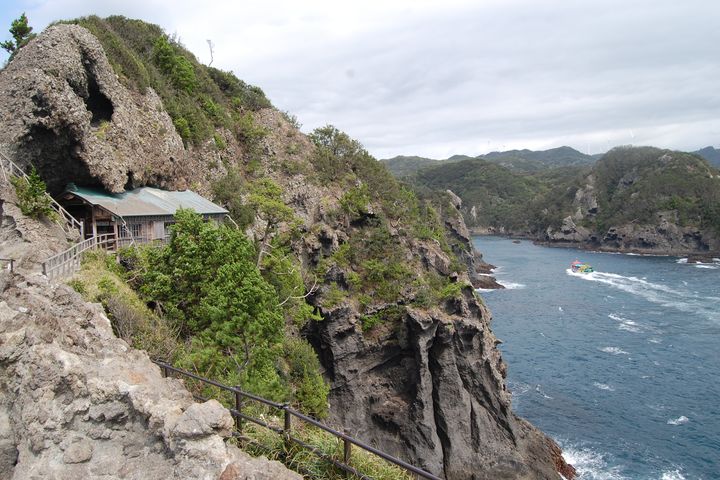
(68,261)
(71,223)
(236,412)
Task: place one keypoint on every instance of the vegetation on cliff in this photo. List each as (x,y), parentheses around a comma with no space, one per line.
(199,98)
(629,185)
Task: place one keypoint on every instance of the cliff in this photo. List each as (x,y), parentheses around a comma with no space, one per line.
(644,200)
(404,341)
(633,199)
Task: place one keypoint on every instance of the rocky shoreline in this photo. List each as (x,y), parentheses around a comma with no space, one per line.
(693,256)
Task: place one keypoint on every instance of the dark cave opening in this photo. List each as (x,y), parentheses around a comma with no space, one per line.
(129,185)
(55,157)
(97,103)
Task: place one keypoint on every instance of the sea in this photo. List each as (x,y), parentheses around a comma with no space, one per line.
(621,366)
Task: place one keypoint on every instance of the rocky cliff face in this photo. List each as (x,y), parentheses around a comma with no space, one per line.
(431,389)
(63,109)
(662,232)
(428,387)
(77,402)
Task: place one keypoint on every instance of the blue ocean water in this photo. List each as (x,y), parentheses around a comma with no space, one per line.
(621,366)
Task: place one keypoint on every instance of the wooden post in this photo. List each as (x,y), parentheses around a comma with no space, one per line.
(94,225)
(238,407)
(346,452)
(286,429)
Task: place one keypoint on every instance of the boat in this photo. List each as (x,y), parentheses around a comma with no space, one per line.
(581,267)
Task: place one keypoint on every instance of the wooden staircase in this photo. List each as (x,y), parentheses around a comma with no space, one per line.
(11,169)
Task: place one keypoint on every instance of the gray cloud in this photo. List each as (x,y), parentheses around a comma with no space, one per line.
(434,79)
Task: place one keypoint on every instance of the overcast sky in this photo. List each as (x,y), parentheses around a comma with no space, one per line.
(437,78)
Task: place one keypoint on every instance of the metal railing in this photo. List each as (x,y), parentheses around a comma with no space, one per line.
(10,263)
(10,169)
(286,429)
(68,262)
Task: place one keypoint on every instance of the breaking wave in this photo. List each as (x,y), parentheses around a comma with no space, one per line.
(614,350)
(511,285)
(591,465)
(677,298)
(681,420)
(603,386)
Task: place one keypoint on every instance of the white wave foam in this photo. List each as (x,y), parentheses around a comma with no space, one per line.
(681,420)
(539,390)
(626,324)
(590,465)
(485,289)
(603,386)
(711,267)
(655,340)
(614,350)
(672,475)
(682,260)
(511,285)
(518,389)
(677,298)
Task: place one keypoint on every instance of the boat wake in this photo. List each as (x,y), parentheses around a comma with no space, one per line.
(677,298)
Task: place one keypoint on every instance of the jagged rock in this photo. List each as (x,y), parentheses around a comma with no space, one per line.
(79,451)
(26,240)
(75,401)
(454,199)
(665,235)
(432,390)
(568,232)
(63,109)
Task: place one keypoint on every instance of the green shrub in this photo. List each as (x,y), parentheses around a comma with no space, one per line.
(333,296)
(451,291)
(78,286)
(355,202)
(219,142)
(99,281)
(32,196)
(311,390)
(176,66)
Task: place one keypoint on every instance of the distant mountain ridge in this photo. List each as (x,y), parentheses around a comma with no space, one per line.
(711,154)
(641,199)
(520,160)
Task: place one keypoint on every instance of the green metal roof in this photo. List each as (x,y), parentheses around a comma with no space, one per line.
(145,201)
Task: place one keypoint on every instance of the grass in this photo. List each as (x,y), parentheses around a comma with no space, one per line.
(100,280)
(272,445)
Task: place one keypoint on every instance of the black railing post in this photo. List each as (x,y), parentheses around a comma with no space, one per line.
(238,407)
(346,452)
(286,428)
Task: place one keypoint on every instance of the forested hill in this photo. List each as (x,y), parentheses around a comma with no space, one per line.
(519,160)
(633,198)
(710,154)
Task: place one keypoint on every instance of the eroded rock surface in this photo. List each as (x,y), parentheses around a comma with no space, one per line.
(76,402)
(431,389)
(63,109)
